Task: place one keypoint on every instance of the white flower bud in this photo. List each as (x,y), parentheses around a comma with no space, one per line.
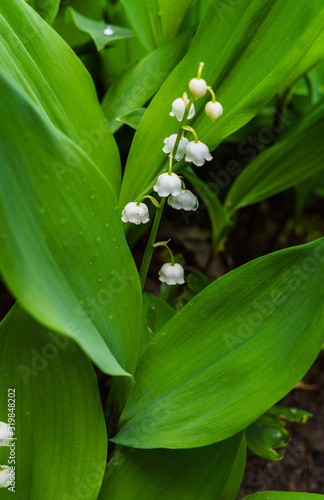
(167,184)
(197,152)
(136,214)
(172,274)
(186,200)
(198,87)
(169,145)
(4,476)
(178,108)
(213,110)
(5,434)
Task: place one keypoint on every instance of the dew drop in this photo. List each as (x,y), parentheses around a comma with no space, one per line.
(108,31)
(110,316)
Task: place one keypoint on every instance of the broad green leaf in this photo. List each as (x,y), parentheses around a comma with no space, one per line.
(268,432)
(48,9)
(220,223)
(172,16)
(96,29)
(51,74)
(133,118)
(145,20)
(234,480)
(141,81)
(150,474)
(312,57)
(231,43)
(298,156)
(61,438)
(156,313)
(283,495)
(195,283)
(230,354)
(65,257)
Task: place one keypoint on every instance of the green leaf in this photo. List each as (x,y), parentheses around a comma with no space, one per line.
(65,257)
(61,438)
(96,29)
(231,42)
(282,495)
(195,283)
(220,223)
(312,57)
(156,313)
(172,16)
(148,474)
(141,81)
(133,118)
(298,156)
(230,354)
(52,75)
(268,432)
(234,480)
(48,9)
(145,20)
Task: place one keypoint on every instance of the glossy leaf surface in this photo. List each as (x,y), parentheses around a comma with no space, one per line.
(61,440)
(65,257)
(237,348)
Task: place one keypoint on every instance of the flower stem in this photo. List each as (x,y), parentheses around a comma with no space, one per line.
(158,214)
(212,93)
(184,119)
(171,255)
(149,247)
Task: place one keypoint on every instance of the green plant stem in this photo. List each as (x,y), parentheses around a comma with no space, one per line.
(149,247)
(158,214)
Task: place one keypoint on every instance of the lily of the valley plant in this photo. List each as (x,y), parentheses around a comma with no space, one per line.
(116,142)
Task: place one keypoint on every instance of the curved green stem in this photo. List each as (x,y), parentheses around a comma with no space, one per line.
(149,247)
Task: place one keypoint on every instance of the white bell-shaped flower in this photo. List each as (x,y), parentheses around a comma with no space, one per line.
(169,145)
(167,184)
(198,87)
(135,213)
(198,153)
(186,200)
(179,106)
(172,274)
(4,476)
(5,434)
(213,110)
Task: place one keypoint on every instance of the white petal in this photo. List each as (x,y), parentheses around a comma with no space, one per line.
(198,87)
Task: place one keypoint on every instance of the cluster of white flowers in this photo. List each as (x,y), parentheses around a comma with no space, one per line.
(170,184)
